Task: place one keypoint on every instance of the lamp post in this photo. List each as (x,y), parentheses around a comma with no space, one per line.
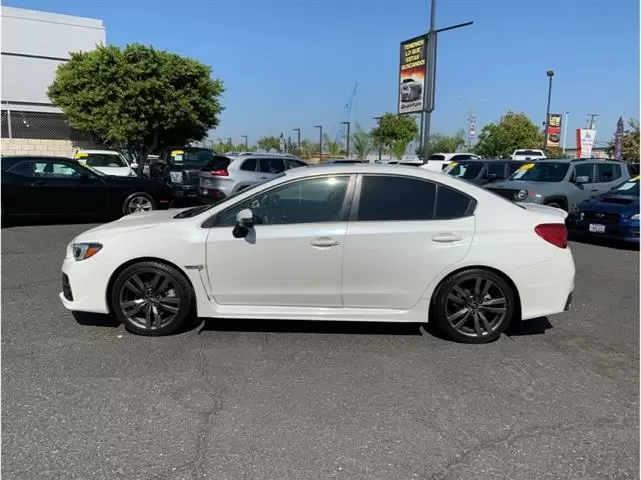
(229,143)
(297,130)
(380,145)
(246,143)
(320,143)
(565,128)
(550,74)
(348,126)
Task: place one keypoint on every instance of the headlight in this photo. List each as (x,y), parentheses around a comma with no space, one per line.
(83,251)
(520,195)
(635,216)
(176,177)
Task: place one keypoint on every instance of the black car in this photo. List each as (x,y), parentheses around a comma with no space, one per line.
(179,168)
(62,187)
(483,171)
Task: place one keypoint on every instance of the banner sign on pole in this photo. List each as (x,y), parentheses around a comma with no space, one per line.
(412,75)
(584,142)
(553,131)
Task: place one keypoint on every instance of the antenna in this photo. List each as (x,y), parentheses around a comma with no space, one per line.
(591,121)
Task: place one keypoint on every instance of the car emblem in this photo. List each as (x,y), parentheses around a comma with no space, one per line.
(600,215)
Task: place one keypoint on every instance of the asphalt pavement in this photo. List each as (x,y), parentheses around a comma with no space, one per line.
(83,399)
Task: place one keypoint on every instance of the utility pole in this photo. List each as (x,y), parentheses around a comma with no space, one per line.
(347,147)
(320,143)
(591,122)
(565,128)
(380,145)
(246,143)
(550,74)
(428,108)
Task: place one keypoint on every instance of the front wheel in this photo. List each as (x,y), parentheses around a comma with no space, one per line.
(137,203)
(474,306)
(151,298)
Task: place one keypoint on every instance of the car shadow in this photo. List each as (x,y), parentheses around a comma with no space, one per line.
(95,320)
(38,222)
(534,326)
(602,242)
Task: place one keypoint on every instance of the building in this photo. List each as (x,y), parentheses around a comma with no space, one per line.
(34,44)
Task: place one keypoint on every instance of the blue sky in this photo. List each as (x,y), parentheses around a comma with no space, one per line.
(293,63)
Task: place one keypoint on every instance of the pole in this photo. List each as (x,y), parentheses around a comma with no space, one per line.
(9,120)
(431,72)
(246,143)
(380,145)
(297,130)
(348,128)
(550,74)
(320,143)
(420,134)
(591,124)
(565,128)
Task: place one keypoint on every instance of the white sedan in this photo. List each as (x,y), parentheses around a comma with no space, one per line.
(348,243)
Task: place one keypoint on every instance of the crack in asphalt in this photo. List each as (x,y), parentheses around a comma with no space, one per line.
(463,458)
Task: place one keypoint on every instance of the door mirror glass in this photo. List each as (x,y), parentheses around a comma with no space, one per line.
(582,179)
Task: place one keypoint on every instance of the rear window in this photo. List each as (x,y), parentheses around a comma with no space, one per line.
(436,157)
(249,165)
(528,152)
(100,159)
(217,163)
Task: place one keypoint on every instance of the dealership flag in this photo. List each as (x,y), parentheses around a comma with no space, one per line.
(618,140)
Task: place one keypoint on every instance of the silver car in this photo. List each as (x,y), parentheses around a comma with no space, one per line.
(225,175)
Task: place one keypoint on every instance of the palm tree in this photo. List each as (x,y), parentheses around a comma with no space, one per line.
(361,143)
(333,148)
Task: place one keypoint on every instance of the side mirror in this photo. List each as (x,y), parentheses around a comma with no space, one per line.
(244,223)
(582,179)
(134,165)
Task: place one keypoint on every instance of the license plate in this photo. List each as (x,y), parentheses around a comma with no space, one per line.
(204,191)
(596,228)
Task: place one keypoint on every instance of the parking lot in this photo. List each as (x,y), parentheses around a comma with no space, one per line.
(83,399)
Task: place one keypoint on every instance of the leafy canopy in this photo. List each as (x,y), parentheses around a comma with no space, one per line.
(514,131)
(395,132)
(361,143)
(269,143)
(137,98)
(439,143)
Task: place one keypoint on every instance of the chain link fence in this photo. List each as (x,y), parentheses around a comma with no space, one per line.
(38,126)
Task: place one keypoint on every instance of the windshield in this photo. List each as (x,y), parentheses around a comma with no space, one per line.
(198,157)
(101,160)
(192,212)
(533,153)
(468,170)
(93,170)
(543,171)
(629,188)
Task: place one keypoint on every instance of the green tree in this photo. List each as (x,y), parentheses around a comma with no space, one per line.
(514,131)
(439,143)
(269,143)
(361,143)
(394,131)
(630,142)
(307,149)
(137,98)
(333,149)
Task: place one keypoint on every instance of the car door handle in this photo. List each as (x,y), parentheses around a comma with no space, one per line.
(445,238)
(263,178)
(325,242)
(594,190)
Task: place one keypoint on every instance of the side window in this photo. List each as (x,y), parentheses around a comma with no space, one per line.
(496,170)
(512,167)
(385,198)
(607,172)
(249,164)
(295,164)
(26,169)
(271,165)
(451,204)
(633,169)
(313,200)
(586,170)
(55,170)
(458,158)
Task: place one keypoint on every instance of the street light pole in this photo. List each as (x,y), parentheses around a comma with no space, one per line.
(320,143)
(297,130)
(246,143)
(347,147)
(550,74)
(229,142)
(565,128)
(380,145)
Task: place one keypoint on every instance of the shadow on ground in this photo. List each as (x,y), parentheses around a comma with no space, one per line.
(602,242)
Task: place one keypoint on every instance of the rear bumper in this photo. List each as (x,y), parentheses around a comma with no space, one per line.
(211,195)
(184,191)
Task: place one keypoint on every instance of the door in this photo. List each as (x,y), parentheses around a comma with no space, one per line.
(269,167)
(607,176)
(581,192)
(292,256)
(64,188)
(405,232)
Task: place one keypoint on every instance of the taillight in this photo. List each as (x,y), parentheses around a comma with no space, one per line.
(554,233)
(219,173)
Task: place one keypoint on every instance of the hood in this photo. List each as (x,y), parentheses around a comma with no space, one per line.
(609,203)
(129,223)
(520,184)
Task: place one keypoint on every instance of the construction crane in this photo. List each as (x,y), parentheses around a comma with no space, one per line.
(339,136)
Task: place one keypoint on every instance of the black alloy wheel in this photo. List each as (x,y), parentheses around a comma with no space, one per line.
(138,203)
(151,298)
(474,306)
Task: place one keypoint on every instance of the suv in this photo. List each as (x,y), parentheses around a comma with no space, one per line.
(562,183)
(528,154)
(179,167)
(483,171)
(224,175)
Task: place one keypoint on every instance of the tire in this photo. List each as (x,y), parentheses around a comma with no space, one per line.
(556,204)
(138,202)
(469,327)
(150,311)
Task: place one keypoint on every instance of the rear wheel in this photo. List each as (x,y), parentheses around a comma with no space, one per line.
(556,204)
(138,202)
(151,298)
(474,306)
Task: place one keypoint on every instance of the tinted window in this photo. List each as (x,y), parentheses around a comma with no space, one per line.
(26,169)
(456,158)
(607,172)
(312,200)
(395,198)
(541,172)
(296,164)
(497,169)
(586,170)
(271,165)
(101,160)
(249,164)
(451,204)
(436,157)
(512,167)
(529,152)
(217,163)
(468,170)
(200,157)
(629,187)
(633,168)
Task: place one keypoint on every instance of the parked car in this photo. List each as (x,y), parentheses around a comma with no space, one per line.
(340,161)
(225,176)
(62,187)
(528,154)
(439,161)
(408,163)
(561,183)
(108,162)
(483,172)
(614,215)
(347,243)
(179,168)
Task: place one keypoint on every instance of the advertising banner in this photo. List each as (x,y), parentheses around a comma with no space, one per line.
(412,75)
(618,140)
(584,142)
(553,131)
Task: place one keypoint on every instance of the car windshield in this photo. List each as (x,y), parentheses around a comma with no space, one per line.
(534,153)
(629,188)
(93,170)
(191,156)
(101,160)
(541,171)
(468,170)
(192,212)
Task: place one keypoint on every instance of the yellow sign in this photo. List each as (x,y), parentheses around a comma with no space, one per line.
(526,167)
(80,155)
(177,152)
(635,179)
(452,164)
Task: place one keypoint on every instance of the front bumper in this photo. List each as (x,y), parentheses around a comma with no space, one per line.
(84,285)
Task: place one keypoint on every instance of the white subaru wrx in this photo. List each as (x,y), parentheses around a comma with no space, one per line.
(349,243)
